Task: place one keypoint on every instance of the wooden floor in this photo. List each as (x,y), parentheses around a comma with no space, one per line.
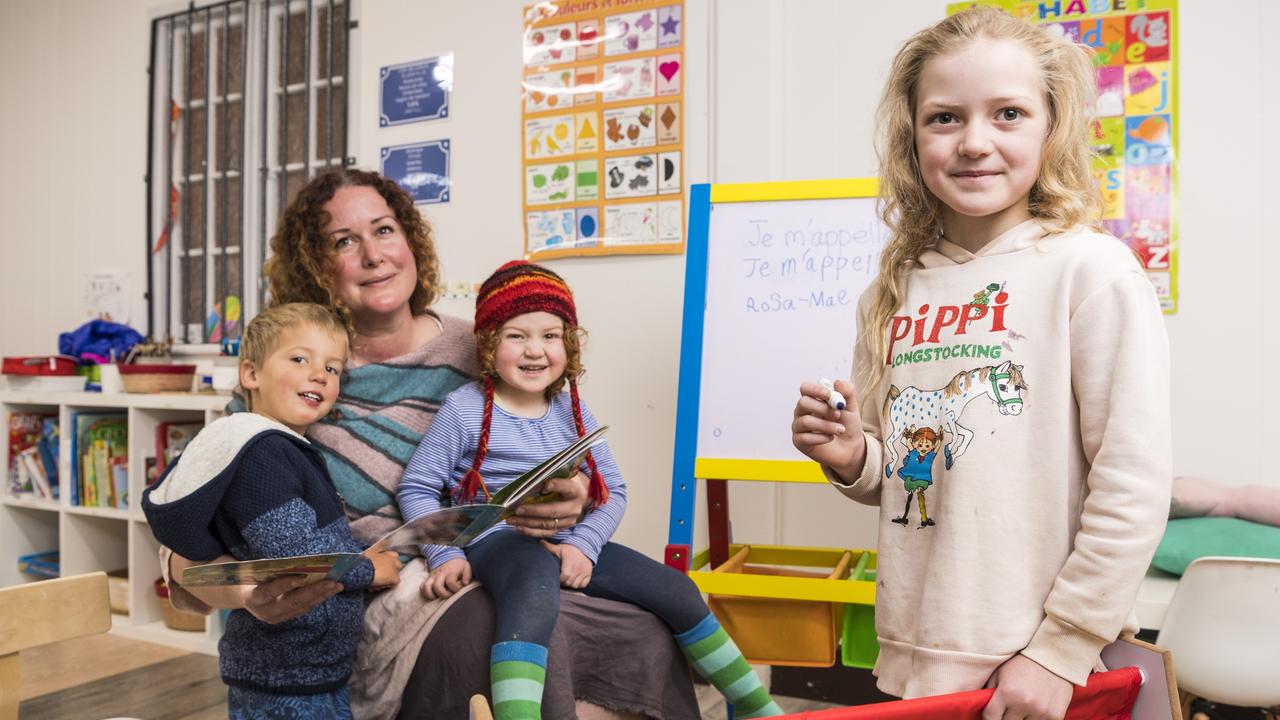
(108,676)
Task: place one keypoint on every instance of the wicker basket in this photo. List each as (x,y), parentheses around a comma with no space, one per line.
(157,378)
(118,591)
(174,618)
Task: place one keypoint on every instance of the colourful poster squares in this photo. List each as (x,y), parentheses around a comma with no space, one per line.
(548,136)
(602,127)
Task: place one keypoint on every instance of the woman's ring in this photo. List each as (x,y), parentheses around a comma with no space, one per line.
(555,522)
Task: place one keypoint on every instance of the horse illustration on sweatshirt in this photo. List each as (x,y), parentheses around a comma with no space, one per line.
(912,407)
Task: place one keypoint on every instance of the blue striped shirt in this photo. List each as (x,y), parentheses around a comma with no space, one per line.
(516,445)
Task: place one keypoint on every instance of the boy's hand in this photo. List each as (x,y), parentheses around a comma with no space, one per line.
(1025,689)
(831,437)
(386,567)
(447,579)
(575,568)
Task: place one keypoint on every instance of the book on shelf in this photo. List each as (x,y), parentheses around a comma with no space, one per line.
(48,447)
(171,439)
(456,526)
(31,471)
(97,438)
(25,431)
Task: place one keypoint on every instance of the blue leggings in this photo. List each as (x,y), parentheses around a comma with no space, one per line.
(253,705)
(524,580)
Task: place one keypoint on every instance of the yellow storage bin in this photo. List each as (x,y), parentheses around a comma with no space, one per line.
(781,631)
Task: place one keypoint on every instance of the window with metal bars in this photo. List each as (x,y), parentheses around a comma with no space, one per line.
(248,101)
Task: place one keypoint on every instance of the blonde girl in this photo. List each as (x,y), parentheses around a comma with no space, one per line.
(1054,500)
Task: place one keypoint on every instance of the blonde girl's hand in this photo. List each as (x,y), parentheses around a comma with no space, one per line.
(447,579)
(1025,690)
(575,567)
(386,566)
(828,436)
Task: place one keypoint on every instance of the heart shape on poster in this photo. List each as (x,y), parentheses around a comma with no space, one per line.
(668,70)
(587,34)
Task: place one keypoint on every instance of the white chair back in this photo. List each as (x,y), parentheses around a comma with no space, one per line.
(1223,627)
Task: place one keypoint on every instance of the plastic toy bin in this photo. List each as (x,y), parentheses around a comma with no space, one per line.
(858,644)
(779,625)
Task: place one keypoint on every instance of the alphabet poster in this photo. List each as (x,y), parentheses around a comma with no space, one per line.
(602,127)
(1135,128)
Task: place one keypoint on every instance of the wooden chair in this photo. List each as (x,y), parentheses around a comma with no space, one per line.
(45,612)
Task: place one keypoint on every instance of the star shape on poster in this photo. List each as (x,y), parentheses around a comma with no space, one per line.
(669,25)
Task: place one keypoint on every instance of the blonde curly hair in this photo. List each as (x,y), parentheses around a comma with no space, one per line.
(301,267)
(1064,195)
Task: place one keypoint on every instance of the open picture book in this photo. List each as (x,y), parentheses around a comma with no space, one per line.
(456,526)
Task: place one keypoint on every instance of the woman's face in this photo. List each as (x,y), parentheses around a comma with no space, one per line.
(374,270)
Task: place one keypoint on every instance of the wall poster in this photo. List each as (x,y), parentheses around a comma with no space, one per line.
(1134,44)
(602,127)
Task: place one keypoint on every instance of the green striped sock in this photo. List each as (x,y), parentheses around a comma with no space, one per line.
(517,671)
(712,653)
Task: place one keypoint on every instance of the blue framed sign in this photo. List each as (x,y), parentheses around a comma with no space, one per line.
(415,91)
(421,168)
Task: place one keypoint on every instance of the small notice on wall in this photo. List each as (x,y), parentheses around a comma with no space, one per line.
(421,168)
(106,297)
(415,91)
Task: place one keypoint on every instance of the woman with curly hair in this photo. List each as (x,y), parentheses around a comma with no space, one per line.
(353,241)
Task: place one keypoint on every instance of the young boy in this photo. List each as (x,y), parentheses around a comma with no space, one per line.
(250,485)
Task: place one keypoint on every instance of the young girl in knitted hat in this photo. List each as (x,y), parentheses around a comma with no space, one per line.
(490,432)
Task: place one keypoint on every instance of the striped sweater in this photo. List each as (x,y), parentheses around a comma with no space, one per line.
(382,413)
(516,445)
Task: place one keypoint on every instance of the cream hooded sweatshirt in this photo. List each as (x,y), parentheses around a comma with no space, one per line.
(1041,366)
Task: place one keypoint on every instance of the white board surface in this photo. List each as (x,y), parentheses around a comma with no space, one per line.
(783,282)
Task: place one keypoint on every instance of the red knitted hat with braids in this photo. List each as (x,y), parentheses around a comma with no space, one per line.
(517,288)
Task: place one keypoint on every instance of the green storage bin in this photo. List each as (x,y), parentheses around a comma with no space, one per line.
(858,645)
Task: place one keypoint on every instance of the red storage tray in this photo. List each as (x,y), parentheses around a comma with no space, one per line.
(40,365)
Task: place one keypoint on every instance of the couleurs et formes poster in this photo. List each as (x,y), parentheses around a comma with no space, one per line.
(602,126)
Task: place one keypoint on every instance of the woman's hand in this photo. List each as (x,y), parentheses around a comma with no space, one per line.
(831,437)
(1025,690)
(386,566)
(575,568)
(447,579)
(271,602)
(544,520)
(286,598)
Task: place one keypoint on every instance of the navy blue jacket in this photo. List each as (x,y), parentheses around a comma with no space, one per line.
(260,491)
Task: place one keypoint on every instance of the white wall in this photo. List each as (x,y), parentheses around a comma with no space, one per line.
(777,90)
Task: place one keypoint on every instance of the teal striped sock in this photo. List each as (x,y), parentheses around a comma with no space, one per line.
(712,653)
(517,671)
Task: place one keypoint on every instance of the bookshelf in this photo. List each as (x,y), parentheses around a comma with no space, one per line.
(102,538)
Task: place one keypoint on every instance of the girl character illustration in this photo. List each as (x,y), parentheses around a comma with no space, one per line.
(917,469)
